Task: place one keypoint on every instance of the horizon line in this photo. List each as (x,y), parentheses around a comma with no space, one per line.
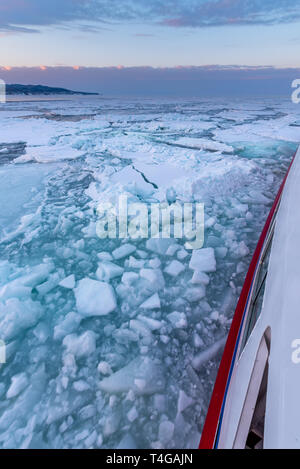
(209,67)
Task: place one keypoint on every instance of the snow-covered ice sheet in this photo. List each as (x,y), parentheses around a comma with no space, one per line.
(115,343)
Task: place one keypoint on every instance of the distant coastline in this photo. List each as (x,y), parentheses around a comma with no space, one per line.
(31,90)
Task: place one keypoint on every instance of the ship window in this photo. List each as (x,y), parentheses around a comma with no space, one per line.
(257,296)
(250,431)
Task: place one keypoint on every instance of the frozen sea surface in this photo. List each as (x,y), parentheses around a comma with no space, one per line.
(116,343)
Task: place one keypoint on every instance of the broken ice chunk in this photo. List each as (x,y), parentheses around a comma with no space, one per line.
(241,267)
(81,435)
(142,254)
(257,197)
(140,383)
(115,161)
(41,332)
(197,341)
(123,251)
(16,315)
(242,250)
(200,277)
(49,285)
(127,442)
(151,303)
(108,270)
(68,282)
(104,368)
(153,324)
(172,249)
(94,298)
(203,260)
(177,319)
(111,424)
(82,345)
(159,245)
(182,254)
(68,325)
(86,412)
(210,222)
(214,316)
(104,256)
(174,268)
(14,290)
(154,277)
(124,380)
(124,336)
(141,330)
(18,384)
(208,354)
(128,278)
(154,263)
(37,275)
(195,293)
(135,263)
(165,339)
(132,415)
(184,401)
(165,432)
(81,386)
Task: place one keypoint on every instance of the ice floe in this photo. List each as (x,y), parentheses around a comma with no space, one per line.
(114,343)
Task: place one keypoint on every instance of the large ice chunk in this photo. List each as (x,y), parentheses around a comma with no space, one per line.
(154,277)
(16,315)
(174,268)
(123,251)
(81,346)
(141,375)
(94,298)
(36,275)
(208,354)
(203,260)
(108,270)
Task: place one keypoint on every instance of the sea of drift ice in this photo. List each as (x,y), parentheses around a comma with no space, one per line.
(115,343)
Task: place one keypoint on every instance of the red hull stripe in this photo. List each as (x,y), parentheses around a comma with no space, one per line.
(210,428)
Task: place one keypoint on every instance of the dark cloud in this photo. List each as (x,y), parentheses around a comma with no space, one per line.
(28,15)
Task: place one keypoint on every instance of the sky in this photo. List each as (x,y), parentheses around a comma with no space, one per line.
(126,45)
